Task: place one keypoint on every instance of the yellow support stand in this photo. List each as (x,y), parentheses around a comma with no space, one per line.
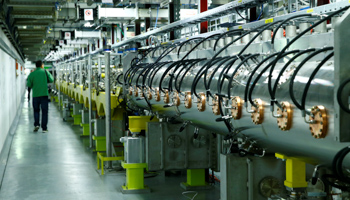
(135,179)
(195,180)
(138,123)
(295,172)
(101,157)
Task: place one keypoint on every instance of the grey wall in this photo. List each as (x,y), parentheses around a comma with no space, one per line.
(12,88)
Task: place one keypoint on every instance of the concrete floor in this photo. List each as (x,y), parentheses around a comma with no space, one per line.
(59,165)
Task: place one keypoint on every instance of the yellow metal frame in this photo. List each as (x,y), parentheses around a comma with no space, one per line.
(134,176)
(295,172)
(101,157)
(138,123)
(77,119)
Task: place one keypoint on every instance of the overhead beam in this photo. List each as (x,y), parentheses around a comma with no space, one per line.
(130,13)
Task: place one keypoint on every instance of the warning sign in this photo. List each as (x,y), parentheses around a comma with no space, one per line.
(61,42)
(88,14)
(67,35)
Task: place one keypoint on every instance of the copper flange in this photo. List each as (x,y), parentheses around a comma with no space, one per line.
(258,114)
(284,122)
(176,99)
(136,93)
(320,126)
(188,100)
(215,107)
(149,94)
(201,102)
(157,95)
(236,110)
(130,91)
(141,93)
(166,98)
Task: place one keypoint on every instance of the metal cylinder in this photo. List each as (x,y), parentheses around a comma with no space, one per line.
(298,141)
(246,39)
(188,47)
(291,31)
(221,43)
(304,26)
(334,21)
(206,44)
(322,28)
(228,39)
(279,33)
(212,43)
(237,41)
(266,35)
(257,39)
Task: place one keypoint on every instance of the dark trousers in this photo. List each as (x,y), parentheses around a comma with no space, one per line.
(29,89)
(42,102)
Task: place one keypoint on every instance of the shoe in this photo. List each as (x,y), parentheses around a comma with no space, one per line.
(36,129)
(45,131)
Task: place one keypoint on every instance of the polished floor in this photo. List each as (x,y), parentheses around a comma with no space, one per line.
(58,165)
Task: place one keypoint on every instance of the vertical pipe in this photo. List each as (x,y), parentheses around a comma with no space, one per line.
(59,81)
(250,179)
(81,72)
(108,107)
(90,103)
(99,66)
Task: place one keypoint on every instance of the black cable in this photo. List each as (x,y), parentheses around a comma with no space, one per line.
(303,99)
(253,73)
(167,70)
(118,81)
(339,92)
(214,72)
(325,178)
(178,89)
(255,36)
(284,68)
(195,81)
(217,60)
(258,77)
(291,83)
(337,164)
(283,22)
(183,43)
(240,14)
(235,71)
(200,42)
(225,70)
(172,75)
(226,33)
(304,32)
(153,73)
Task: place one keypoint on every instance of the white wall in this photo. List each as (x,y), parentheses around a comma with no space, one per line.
(12,88)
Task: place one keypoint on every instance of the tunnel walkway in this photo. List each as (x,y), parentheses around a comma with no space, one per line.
(58,165)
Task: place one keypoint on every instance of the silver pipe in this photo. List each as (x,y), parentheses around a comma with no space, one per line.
(90,103)
(250,179)
(80,73)
(99,66)
(59,88)
(108,107)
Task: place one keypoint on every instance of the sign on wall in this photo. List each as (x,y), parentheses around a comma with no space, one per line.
(88,14)
(67,35)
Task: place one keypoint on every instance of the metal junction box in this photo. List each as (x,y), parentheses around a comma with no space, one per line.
(134,149)
(167,148)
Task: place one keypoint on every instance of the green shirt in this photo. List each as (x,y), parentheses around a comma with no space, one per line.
(37,80)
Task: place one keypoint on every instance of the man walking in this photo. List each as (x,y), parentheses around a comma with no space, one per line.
(38,81)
